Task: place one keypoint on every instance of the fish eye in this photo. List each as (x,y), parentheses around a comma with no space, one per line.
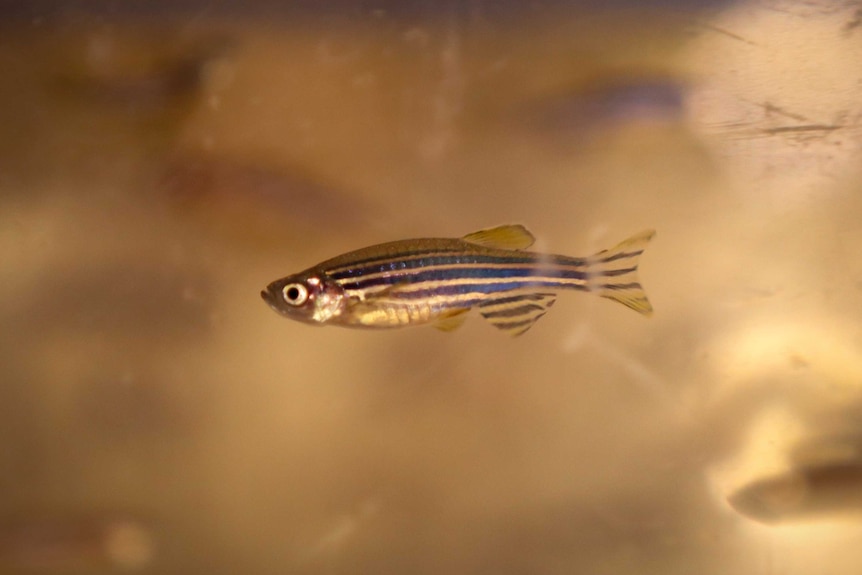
(295,294)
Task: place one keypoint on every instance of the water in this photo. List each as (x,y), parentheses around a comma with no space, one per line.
(158,168)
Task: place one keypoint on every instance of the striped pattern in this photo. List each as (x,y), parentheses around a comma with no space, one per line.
(516,314)
(613,273)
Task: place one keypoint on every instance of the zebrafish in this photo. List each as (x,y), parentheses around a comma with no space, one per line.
(438,280)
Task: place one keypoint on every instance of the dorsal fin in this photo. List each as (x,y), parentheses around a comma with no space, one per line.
(516,314)
(508,237)
(452,320)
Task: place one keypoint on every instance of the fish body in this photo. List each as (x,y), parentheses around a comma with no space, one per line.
(809,492)
(438,280)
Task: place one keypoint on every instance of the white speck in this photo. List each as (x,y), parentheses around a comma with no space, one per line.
(345,527)
(416,36)
(129,544)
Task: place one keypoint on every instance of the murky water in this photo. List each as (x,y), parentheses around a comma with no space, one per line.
(158,169)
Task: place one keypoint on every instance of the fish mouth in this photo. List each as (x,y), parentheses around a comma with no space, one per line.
(273,302)
(270,301)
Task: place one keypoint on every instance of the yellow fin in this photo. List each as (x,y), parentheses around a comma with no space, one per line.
(452,320)
(613,273)
(509,237)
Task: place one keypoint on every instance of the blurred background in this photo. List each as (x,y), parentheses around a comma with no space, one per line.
(161,162)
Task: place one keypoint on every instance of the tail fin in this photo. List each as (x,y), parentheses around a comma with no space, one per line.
(613,273)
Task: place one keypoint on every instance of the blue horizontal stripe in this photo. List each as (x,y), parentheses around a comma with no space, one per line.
(398,264)
(467,273)
(494,288)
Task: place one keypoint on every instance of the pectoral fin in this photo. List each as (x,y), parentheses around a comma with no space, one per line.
(452,320)
(509,237)
(516,314)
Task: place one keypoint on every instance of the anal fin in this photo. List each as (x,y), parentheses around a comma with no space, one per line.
(516,314)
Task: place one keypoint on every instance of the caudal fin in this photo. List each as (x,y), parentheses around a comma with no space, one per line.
(613,273)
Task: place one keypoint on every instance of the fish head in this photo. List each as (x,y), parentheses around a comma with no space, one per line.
(308,297)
